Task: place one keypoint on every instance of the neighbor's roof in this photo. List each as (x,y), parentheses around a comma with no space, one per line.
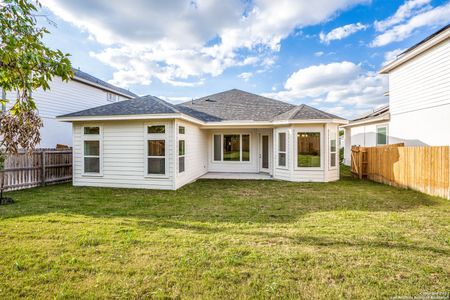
(430,41)
(377,115)
(232,105)
(87,77)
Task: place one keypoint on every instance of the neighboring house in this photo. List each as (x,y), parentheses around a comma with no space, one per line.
(419,98)
(82,92)
(369,130)
(149,143)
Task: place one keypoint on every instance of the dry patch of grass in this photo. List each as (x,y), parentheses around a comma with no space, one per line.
(225,239)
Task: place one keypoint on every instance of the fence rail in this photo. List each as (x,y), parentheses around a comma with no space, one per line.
(425,169)
(42,167)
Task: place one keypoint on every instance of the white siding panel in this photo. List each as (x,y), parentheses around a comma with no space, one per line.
(124,160)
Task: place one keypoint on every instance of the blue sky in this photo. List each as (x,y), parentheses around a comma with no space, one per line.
(323,53)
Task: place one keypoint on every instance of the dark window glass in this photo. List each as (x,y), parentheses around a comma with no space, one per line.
(282,159)
(156,129)
(156,165)
(156,148)
(91,165)
(265,152)
(91,148)
(181,130)
(231,147)
(91,130)
(308,148)
(217,148)
(181,164)
(382,135)
(181,147)
(245,147)
(282,141)
(333,160)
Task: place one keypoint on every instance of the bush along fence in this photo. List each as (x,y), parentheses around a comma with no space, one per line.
(41,167)
(425,169)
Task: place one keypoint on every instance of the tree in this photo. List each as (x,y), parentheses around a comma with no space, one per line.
(26,64)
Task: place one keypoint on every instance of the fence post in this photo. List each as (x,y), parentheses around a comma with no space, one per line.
(43,168)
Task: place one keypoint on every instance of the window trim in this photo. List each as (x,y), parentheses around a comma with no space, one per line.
(92,137)
(309,130)
(115,97)
(336,137)
(387,134)
(286,166)
(155,137)
(180,156)
(240,161)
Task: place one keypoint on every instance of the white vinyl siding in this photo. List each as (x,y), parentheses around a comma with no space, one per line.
(419,99)
(63,98)
(124,157)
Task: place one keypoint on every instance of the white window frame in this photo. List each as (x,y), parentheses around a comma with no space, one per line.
(181,137)
(286,135)
(332,133)
(240,161)
(155,137)
(387,134)
(309,130)
(92,137)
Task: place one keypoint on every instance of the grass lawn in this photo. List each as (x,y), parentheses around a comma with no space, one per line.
(225,239)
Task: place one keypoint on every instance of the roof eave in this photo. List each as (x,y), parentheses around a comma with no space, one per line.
(416,51)
(384,118)
(82,80)
(128,117)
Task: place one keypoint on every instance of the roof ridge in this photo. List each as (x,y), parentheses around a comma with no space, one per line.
(165,103)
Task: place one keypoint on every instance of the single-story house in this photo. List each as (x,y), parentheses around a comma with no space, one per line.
(149,143)
(83,91)
(419,100)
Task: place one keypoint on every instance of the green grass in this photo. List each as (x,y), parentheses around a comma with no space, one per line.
(225,239)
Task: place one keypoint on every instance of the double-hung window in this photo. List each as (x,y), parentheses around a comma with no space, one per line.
(231,147)
(282,149)
(333,149)
(156,150)
(181,149)
(92,150)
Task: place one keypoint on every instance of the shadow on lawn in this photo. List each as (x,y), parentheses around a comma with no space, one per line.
(218,201)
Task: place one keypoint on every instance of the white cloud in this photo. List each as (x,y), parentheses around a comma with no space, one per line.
(392,55)
(245,75)
(405,11)
(339,84)
(437,16)
(180,41)
(341,32)
(319,53)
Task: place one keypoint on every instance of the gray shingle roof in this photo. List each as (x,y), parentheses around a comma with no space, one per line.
(238,105)
(90,78)
(305,112)
(380,112)
(232,105)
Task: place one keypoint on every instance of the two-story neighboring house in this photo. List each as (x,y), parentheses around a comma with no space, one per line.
(418,113)
(82,92)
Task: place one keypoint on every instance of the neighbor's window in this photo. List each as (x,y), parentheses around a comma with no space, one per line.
(282,149)
(112,97)
(231,147)
(181,129)
(382,135)
(156,150)
(156,129)
(333,149)
(308,149)
(181,155)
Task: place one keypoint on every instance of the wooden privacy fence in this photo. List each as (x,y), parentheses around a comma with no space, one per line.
(42,167)
(425,169)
